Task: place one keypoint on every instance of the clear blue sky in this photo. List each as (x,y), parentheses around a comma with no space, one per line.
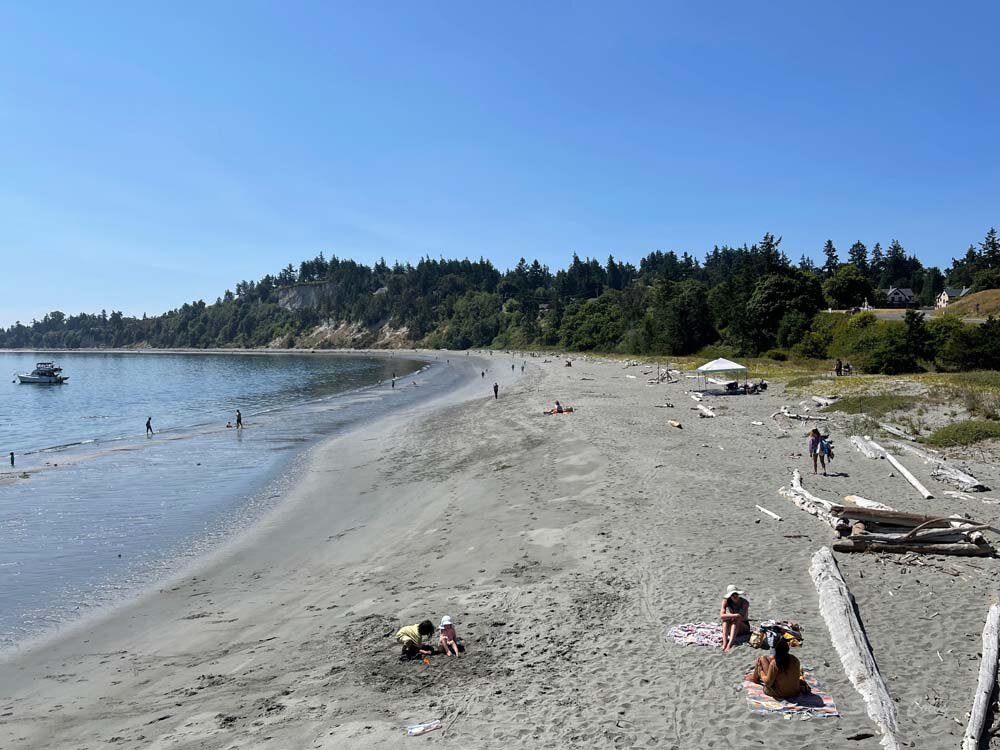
(156,153)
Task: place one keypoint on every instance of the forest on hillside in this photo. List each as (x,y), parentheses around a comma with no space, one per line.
(749,300)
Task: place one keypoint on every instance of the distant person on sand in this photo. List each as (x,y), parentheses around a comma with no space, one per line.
(412,639)
(838,367)
(447,639)
(522,368)
(735,616)
(484,374)
(512,367)
(496,390)
(149,425)
(816,450)
(239,420)
(394,381)
(781,674)
(12,459)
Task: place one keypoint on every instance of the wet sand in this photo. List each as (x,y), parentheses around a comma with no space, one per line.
(564,547)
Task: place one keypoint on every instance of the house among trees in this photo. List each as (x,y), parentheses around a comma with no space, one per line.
(950,294)
(899,297)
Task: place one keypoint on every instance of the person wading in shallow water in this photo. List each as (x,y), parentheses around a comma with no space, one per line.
(239,420)
(496,390)
(149,425)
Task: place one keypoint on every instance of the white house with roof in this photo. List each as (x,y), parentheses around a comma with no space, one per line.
(951,293)
(900,296)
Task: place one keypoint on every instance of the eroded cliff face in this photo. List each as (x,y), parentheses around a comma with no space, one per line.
(305,296)
(344,335)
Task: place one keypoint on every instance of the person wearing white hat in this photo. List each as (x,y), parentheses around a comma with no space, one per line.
(735,616)
(448,640)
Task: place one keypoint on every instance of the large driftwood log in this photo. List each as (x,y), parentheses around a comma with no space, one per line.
(960,549)
(824,400)
(822,509)
(802,417)
(897,431)
(864,502)
(944,471)
(987,680)
(899,517)
(705,411)
(848,637)
(924,492)
(864,447)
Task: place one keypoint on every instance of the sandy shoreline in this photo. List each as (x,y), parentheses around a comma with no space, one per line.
(564,547)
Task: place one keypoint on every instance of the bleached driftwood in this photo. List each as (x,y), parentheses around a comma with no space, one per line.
(864,447)
(824,400)
(945,472)
(987,680)
(822,509)
(695,395)
(675,423)
(897,431)
(848,637)
(960,549)
(802,417)
(864,502)
(924,492)
(766,512)
(705,411)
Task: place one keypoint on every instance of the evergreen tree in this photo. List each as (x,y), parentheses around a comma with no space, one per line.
(858,257)
(832,262)
(877,266)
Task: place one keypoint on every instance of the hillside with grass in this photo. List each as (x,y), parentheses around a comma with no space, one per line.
(988,301)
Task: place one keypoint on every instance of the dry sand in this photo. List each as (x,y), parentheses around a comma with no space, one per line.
(564,548)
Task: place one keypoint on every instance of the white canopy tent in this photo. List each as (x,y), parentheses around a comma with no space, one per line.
(721,366)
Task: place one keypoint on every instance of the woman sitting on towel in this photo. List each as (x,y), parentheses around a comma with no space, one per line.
(735,616)
(781,674)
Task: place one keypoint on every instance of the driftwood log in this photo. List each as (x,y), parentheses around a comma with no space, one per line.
(944,471)
(803,417)
(959,549)
(987,680)
(924,492)
(824,400)
(864,502)
(822,509)
(848,637)
(864,447)
(766,512)
(897,431)
(706,413)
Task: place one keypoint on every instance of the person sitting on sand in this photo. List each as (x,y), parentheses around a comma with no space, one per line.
(447,638)
(560,409)
(735,616)
(781,674)
(816,450)
(412,639)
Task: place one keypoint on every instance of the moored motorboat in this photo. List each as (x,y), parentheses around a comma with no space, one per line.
(45,373)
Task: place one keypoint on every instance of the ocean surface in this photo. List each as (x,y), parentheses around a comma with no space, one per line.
(94,509)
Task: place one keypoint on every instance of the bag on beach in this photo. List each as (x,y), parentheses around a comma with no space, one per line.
(758,639)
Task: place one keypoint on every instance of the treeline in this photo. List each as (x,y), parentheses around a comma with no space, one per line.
(749,299)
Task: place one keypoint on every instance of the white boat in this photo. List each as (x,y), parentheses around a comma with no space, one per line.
(45,373)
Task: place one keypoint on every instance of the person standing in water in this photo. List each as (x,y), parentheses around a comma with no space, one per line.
(239,420)
(496,390)
(12,459)
(149,425)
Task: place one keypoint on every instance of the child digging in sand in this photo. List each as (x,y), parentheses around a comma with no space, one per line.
(412,639)
(448,640)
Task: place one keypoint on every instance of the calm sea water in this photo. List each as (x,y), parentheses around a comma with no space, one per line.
(94,509)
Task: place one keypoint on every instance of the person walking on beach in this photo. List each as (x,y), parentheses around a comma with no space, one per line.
(149,426)
(12,459)
(496,390)
(484,374)
(394,382)
(512,367)
(239,420)
(816,450)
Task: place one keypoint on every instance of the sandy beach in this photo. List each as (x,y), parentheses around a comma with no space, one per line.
(564,547)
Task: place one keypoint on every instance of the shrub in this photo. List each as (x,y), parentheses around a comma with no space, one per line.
(964,433)
(776,354)
(874,406)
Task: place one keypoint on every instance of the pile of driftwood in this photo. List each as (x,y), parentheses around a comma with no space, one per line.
(865,526)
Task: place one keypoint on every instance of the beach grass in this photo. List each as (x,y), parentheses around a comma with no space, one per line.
(964,433)
(875,405)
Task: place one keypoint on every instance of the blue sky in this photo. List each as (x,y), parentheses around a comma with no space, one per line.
(154,154)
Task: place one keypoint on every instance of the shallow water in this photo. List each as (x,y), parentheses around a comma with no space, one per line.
(94,509)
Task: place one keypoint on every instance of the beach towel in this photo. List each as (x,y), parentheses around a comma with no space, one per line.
(698,634)
(814,705)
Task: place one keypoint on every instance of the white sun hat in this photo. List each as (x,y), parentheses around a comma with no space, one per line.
(445,621)
(730,590)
